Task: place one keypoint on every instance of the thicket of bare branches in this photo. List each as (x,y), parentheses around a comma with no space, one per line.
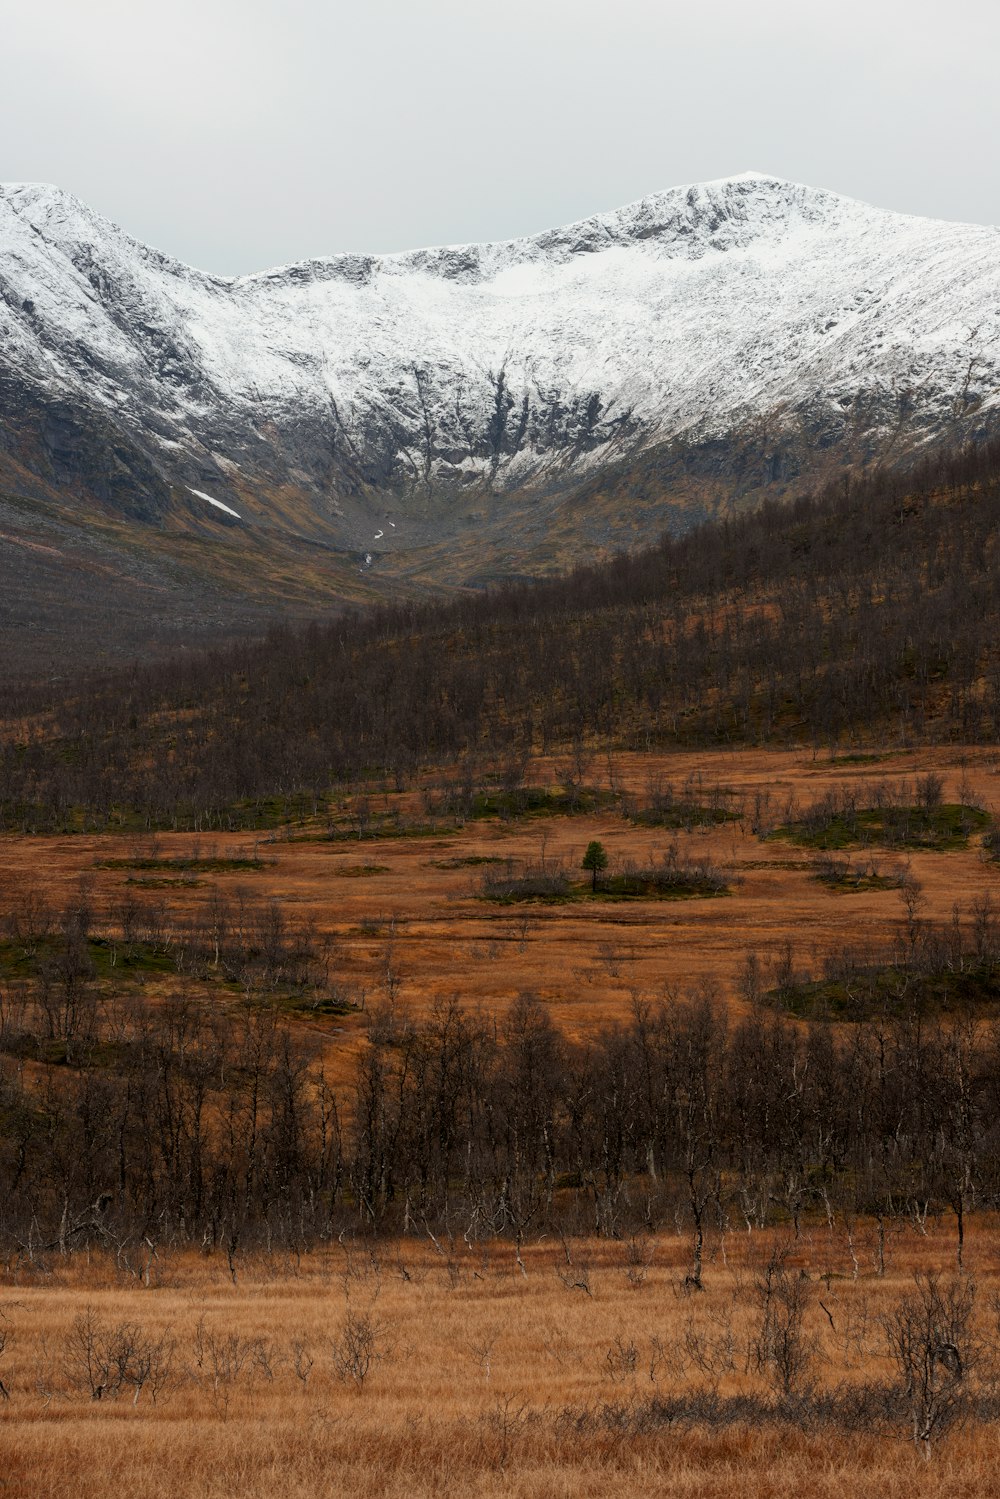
(133,1124)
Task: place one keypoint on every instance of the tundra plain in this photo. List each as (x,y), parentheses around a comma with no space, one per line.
(449,1363)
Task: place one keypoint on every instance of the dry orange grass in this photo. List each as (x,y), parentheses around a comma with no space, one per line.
(423,919)
(479,1366)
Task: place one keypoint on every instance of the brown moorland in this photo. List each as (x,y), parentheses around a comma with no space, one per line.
(406,918)
(593,1372)
(439,1363)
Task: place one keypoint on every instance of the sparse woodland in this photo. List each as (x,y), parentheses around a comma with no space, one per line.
(869,608)
(128,1122)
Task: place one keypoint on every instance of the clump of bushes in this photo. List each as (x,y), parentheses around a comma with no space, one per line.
(901,816)
(667,879)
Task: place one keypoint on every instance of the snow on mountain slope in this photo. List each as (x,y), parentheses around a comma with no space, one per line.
(523,365)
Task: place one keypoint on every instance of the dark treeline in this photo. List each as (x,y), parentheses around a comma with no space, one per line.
(126,1122)
(873,605)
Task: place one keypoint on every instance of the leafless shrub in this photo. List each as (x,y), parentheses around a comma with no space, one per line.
(929,1338)
(107,1362)
(708,1344)
(575,1276)
(219,1361)
(481,1350)
(622,1359)
(832,867)
(781,1350)
(533,882)
(6,1341)
(659,1358)
(302,1361)
(610,957)
(639,1253)
(505,1426)
(266,1358)
(930,791)
(359,1348)
(559,1347)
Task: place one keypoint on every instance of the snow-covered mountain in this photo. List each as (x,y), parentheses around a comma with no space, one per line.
(330,395)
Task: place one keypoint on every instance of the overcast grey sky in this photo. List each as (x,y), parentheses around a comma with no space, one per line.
(237,134)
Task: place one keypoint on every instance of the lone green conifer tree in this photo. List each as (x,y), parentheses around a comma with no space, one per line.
(595,859)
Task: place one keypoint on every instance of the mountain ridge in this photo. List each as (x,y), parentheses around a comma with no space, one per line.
(639,212)
(454,393)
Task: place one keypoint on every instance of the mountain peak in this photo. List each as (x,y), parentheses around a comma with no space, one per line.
(718,308)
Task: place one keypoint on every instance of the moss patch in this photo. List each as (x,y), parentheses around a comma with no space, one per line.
(941,828)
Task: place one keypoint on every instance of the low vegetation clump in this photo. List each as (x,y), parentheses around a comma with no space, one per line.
(927,970)
(201,864)
(887,816)
(466,861)
(76,962)
(526,881)
(362,825)
(570,800)
(892,992)
(668,879)
(856,878)
(695,805)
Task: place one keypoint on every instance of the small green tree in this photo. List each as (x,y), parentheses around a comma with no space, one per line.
(595,859)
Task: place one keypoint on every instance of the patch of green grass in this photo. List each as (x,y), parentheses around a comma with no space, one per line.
(774,864)
(104,958)
(682,815)
(469,861)
(860,758)
(110,957)
(192,863)
(249,816)
(652,886)
(851,884)
(377,830)
(57,1052)
(847,878)
(891,991)
(643,885)
(273,811)
(940,828)
(358,871)
(540,801)
(327,1007)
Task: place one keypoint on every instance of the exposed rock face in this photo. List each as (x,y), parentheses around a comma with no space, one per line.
(744,316)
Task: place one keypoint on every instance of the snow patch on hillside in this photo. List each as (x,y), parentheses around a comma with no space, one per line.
(687,314)
(217,503)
